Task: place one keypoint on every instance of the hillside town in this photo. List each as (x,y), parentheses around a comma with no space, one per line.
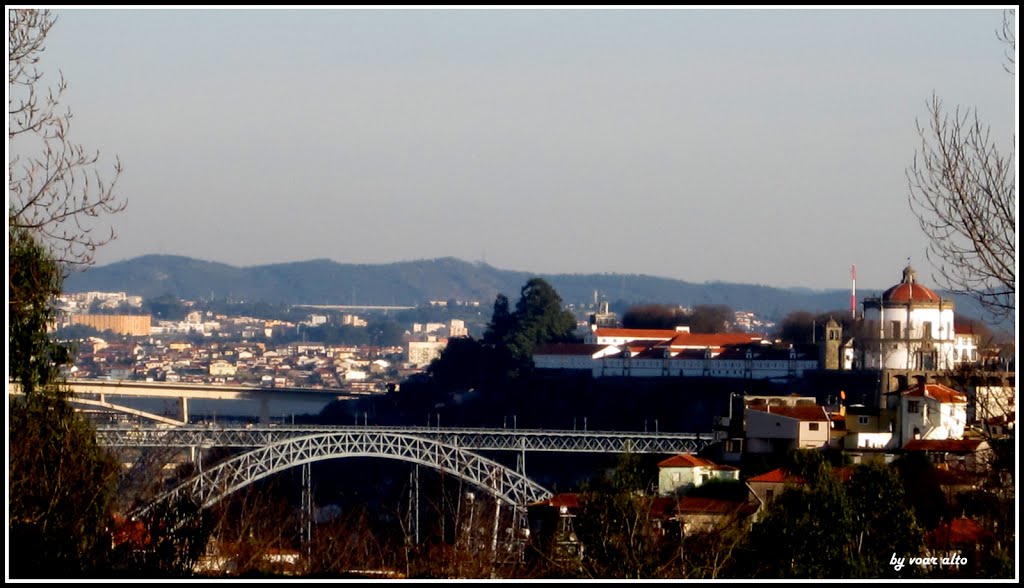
(488,295)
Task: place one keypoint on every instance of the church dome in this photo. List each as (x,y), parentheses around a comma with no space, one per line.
(909,290)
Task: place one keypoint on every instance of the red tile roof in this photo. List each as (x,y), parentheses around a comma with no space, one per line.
(910,292)
(681,339)
(778,476)
(943,445)
(781,476)
(701,340)
(801,413)
(637,333)
(662,507)
(686,460)
(943,394)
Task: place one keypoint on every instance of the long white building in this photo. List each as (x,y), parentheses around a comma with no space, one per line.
(669,353)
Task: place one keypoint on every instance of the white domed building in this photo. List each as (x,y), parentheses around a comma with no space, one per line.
(909,327)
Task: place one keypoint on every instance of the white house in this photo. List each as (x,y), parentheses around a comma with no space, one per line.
(685,471)
(909,328)
(778,428)
(932,411)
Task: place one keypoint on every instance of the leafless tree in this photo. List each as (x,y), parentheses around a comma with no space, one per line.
(1009,38)
(962,192)
(55,185)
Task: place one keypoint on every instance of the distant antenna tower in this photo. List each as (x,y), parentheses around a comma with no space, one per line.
(853,291)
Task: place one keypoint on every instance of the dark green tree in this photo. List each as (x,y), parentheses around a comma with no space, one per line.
(61,481)
(805,533)
(34,279)
(501,322)
(826,528)
(883,519)
(506,349)
(922,484)
(166,307)
(464,363)
(653,316)
(539,318)
(801,326)
(385,333)
(710,318)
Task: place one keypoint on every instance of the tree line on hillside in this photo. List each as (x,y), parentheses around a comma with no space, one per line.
(703,318)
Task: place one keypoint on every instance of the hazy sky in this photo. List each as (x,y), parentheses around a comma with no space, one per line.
(763,147)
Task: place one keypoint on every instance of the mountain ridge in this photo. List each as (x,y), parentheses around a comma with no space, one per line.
(413,283)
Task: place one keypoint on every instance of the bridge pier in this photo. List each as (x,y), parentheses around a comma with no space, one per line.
(414,504)
(183,406)
(264,411)
(307,506)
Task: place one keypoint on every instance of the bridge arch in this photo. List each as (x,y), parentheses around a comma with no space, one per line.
(218,482)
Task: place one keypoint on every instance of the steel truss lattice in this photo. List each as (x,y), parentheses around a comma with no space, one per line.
(475,439)
(217,482)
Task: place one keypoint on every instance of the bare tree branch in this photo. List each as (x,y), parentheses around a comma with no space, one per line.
(1009,37)
(961,188)
(55,185)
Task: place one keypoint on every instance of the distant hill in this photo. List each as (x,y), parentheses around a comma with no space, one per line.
(413,283)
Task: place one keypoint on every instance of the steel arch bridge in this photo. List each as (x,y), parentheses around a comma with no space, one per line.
(210,486)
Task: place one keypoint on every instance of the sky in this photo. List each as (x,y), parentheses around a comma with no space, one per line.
(752,146)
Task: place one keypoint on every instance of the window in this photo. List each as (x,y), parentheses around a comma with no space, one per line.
(862,420)
(894,329)
(927,330)
(812,426)
(769,494)
(914,406)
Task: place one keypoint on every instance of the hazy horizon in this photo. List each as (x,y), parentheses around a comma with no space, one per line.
(744,146)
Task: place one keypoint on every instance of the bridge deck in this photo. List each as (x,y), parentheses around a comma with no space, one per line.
(465,438)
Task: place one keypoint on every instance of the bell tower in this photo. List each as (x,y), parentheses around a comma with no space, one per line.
(831,346)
